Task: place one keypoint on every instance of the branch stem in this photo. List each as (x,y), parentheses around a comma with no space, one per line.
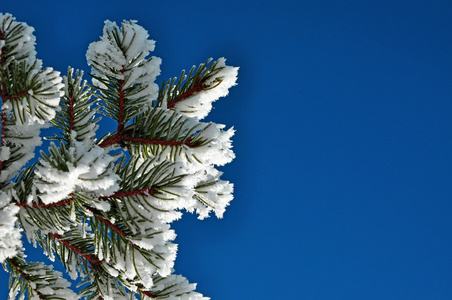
(121,103)
(197,87)
(11,262)
(90,258)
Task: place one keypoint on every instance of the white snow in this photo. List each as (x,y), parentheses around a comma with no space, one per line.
(213,194)
(4,153)
(218,151)
(10,236)
(23,139)
(88,169)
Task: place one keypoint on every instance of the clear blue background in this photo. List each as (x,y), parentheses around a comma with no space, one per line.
(343,116)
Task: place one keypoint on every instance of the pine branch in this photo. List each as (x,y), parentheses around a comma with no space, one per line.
(94,261)
(29,93)
(106,215)
(36,98)
(170,93)
(21,274)
(83,166)
(74,248)
(19,95)
(149,189)
(159,129)
(59,203)
(37,279)
(212,193)
(118,246)
(123,75)
(142,192)
(18,39)
(175,286)
(76,119)
(36,215)
(97,264)
(196,87)
(174,136)
(3,95)
(193,94)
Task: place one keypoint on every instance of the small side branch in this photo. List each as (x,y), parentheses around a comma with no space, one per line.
(123,234)
(94,261)
(17,268)
(121,102)
(197,87)
(118,139)
(59,203)
(115,139)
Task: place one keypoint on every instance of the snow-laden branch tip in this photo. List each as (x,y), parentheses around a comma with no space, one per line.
(199,104)
(20,40)
(122,54)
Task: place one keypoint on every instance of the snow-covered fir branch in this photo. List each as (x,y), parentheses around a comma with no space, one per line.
(103,206)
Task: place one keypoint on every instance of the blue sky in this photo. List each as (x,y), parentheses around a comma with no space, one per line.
(344,139)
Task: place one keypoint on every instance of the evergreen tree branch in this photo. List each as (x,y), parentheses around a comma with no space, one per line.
(43,205)
(37,279)
(162,131)
(195,88)
(76,119)
(3,96)
(122,73)
(106,216)
(98,264)
(193,94)
(94,261)
(16,268)
(171,93)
